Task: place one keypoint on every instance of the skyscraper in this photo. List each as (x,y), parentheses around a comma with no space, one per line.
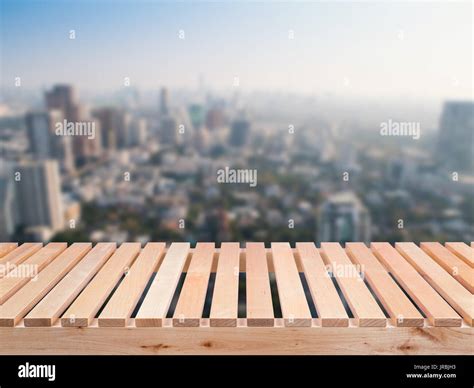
(108,125)
(343,218)
(63,98)
(239,132)
(8,213)
(164,102)
(39,194)
(45,143)
(456,136)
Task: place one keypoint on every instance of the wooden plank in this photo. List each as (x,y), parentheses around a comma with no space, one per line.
(84,308)
(118,310)
(294,306)
(259,295)
(50,308)
(463,251)
(157,301)
(451,290)
(435,308)
(225,299)
(12,311)
(401,310)
(7,247)
(457,268)
(17,256)
(30,268)
(193,294)
(238,341)
(363,305)
(329,306)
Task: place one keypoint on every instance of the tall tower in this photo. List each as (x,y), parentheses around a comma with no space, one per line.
(456,136)
(39,194)
(164,102)
(45,143)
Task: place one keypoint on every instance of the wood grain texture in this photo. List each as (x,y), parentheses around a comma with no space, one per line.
(17,256)
(225,299)
(51,307)
(363,305)
(193,294)
(401,310)
(457,268)
(454,293)
(120,307)
(435,308)
(7,247)
(23,301)
(30,268)
(157,301)
(84,308)
(259,296)
(463,251)
(294,306)
(328,305)
(237,341)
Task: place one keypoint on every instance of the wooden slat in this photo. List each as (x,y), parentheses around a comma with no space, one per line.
(363,305)
(50,308)
(27,270)
(85,307)
(457,268)
(193,294)
(225,299)
(157,301)
(118,310)
(456,295)
(401,310)
(12,311)
(259,296)
(294,306)
(17,256)
(435,308)
(329,306)
(7,247)
(463,251)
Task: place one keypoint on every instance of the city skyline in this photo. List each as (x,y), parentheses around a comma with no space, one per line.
(389,50)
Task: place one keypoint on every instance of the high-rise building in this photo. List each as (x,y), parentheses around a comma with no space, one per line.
(215,119)
(108,124)
(343,218)
(8,208)
(239,133)
(169,130)
(197,115)
(138,132)
(63,98)
(164,102)
(39,194)
(456,136)
(45,143)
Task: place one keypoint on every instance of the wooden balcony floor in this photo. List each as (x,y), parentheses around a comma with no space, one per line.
(159,299)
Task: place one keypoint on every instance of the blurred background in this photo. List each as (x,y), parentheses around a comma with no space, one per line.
(358,119)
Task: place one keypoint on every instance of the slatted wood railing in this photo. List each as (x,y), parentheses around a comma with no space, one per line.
(104,299)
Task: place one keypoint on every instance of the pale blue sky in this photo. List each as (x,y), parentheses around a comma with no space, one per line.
(368,49)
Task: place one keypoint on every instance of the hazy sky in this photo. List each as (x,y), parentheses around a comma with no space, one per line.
(368,49)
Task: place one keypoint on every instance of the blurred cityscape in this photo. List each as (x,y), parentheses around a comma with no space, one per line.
(143,166)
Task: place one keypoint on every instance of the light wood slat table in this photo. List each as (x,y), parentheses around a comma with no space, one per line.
(402,312)
(463,251)
(362,303)
(100,299)
(225,299)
